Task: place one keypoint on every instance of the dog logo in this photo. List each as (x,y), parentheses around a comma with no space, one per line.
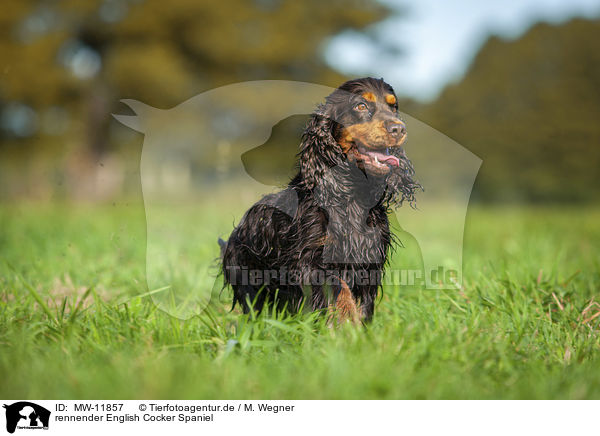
(226,125)
(26,415)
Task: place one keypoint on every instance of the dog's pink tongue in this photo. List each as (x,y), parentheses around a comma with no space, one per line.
(385,158)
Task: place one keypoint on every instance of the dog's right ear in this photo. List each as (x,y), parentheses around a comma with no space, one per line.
(321,124)
(319,148)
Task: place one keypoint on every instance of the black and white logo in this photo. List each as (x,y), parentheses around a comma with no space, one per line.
(26,415)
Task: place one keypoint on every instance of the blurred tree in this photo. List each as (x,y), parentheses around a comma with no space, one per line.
(530,109)
(200,44)
(68,62)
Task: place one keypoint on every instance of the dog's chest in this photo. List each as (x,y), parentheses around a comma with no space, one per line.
(354,236)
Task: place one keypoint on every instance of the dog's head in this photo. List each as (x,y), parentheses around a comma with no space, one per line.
(366,124)
(359,126)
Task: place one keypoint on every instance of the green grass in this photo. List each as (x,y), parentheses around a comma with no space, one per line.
(71,325)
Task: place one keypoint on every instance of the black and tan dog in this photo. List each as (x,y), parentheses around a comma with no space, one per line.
(324,241)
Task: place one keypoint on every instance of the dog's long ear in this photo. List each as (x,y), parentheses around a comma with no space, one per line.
(318,149)
(401,185)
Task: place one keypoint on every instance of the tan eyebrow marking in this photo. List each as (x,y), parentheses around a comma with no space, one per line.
(390,99)
(369,96)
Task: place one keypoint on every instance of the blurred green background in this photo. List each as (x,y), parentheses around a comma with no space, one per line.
(527,105)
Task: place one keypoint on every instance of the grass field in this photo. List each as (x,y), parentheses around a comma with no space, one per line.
(73,323)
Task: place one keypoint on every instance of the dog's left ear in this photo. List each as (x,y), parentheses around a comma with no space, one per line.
(401,185)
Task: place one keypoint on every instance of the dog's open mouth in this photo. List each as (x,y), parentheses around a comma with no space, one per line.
(381,158)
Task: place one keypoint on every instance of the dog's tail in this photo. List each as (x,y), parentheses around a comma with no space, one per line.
(223,245)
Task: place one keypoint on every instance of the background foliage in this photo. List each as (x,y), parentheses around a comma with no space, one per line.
(527,107)
(68,63)
(530,108)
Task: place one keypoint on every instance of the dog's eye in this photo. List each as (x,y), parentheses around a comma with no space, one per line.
(361,107)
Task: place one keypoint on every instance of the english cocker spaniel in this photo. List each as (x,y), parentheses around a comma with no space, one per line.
(323,242)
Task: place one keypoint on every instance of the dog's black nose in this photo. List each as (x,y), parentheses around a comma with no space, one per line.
(395,128)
